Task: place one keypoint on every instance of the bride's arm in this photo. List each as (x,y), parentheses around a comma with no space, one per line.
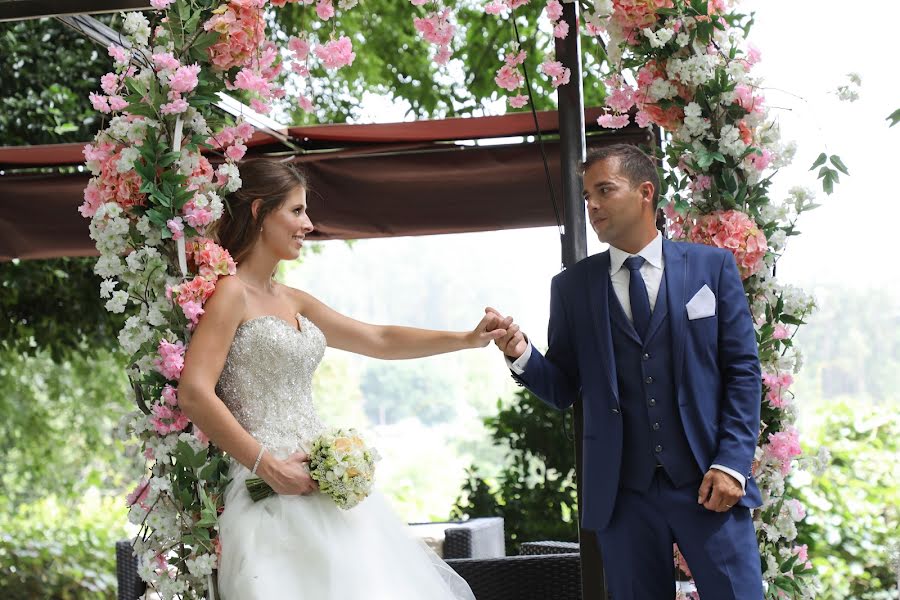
(197,397)
(392,342)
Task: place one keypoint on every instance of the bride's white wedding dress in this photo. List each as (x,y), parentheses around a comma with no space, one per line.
(305,547)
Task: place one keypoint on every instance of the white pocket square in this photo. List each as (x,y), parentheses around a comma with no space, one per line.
(703,304)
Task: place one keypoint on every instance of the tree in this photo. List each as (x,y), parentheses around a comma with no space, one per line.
(400,390)
(535,492)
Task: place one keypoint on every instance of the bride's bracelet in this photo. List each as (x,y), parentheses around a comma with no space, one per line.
(262,449)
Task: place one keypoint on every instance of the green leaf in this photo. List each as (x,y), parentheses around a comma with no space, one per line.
(839,164)
(894,117)
(819,161)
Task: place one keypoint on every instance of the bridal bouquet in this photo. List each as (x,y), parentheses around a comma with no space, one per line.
(342,465)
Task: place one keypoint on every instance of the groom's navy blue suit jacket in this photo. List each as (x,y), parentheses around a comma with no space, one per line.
(714,360)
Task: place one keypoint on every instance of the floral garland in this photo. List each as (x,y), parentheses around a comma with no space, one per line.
(692,74)
(152,200)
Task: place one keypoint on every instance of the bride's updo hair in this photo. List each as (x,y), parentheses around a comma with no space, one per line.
(264,179)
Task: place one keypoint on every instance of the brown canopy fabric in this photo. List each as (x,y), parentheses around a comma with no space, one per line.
(366,180)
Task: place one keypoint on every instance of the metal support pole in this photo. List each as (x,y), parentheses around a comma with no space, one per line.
(574,248)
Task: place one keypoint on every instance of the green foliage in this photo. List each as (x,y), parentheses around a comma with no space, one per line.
(46,73)
(52,549)
(894,117)
(535,491)
(57,431)
(54,305)
(853,508)
(400,390)
(829,175)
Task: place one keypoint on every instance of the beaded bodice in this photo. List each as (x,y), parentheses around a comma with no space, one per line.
(267,380)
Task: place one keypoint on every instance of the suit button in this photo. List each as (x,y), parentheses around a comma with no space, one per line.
(615,411)
(658,449)
(648,380)
(652,402)
(655,426)
(646,356)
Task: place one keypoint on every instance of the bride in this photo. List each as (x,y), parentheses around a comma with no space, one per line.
(247,383)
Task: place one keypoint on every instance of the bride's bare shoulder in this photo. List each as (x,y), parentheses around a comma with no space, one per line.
(300,299)
(229,296)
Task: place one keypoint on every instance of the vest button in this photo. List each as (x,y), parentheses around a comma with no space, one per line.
(646,356)
(658,449)
(652,402)
(655,426)
(615,411)
(648,380)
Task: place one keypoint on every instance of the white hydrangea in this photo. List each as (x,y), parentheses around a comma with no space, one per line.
(138,26)
(694,122)
(694,71)
(660,89)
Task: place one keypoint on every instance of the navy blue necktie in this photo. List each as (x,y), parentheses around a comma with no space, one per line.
(637,292)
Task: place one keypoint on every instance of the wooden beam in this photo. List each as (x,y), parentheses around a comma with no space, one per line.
(18,10)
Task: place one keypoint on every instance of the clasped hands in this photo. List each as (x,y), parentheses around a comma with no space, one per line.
(511,341)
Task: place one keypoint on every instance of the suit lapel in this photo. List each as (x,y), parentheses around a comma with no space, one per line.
(598,290)
(675,273)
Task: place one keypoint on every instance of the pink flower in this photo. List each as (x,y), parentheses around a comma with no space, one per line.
(561,30)
(777,385)
(245,130)
(250,81)
(593,30)
(185,78)
(166,420)
(554,10)
(176,227)
(175,107)
(197,217)
(509,78)
(260,106)
(198,433)
(117,53)
(781,332)
(117,103)
(761,161)
(171,359)
(165,60)
(100,103)
(518,101)
(796,508)
(160,4)
(643,118)
(783,446)
(109,83)
(305,103)
(513,4)
(736,232)
(436,28)
(555,69)
(802,553)
(324,9)
(701,183)
(515,58)
(611,121)
(754,55)
(495,7)
(443,55)
(299,47)
(213,260)
(621,99)
(336,53)
(92,201)
(170,395)
(236,152)
(192,311)
(418,2)
(139,493)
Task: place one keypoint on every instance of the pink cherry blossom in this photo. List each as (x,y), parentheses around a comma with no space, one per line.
(176,227)
(554,10)
(515,58)
(248,80)
(495,7)
(561,30)
(100,103)
(245,130)
(299,47)
(117,103)
(436,28)
(236,152)
(555,69)
(443,55)
(324,9)
(170,395)
(260,106)
(514,4)
(305,103)
(185,78)
(777,385)
(175,107)
(418,2)
(160,4)
(518,101)
(139,493)
(336,53)
(109,83)
(781,332)
(509,78)
(165,60)
(171,359)
(643,118)
(783,446)
(613,121)
(117,53)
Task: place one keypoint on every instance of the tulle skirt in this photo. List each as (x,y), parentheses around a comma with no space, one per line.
(306,548)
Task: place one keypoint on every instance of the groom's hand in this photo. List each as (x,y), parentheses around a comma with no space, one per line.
(719,491)
(514,343)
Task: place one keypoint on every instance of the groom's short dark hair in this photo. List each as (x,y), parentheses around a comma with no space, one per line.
(634,164)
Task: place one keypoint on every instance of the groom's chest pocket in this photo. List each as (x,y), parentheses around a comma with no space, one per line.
(701,312)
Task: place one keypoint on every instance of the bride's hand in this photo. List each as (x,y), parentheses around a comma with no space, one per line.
(291,476)
(491,327)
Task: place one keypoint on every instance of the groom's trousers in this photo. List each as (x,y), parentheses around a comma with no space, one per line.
(720,548)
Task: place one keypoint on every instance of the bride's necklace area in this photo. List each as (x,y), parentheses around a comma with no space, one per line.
(268,287)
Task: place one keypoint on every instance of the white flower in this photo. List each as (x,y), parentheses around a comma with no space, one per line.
(730,142)
(127,158)
(682,39)
(234,176)
(215,205)
(118,301)
(661,88)
(202,565)
(106,287)
(138,26)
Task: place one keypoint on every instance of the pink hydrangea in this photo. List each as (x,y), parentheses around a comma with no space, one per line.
(634,15)
(197,217)
(211,259)
(242,31)
(336,53)
(783,446)
(170,360)
(110,185)
(252,82)
(184,79)
(166,420)
(733,231)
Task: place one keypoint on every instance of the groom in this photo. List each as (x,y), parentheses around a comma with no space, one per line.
(658,339)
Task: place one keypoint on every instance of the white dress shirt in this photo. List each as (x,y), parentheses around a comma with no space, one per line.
(652,272)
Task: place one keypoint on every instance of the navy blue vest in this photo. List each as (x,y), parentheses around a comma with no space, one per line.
(653,434)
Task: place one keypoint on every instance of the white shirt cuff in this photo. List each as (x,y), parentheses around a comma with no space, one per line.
(518,366)
(734,474)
